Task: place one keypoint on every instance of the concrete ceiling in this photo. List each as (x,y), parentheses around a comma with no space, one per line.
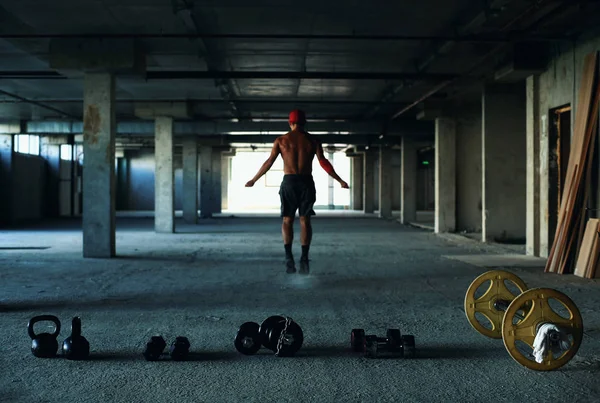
(289,54)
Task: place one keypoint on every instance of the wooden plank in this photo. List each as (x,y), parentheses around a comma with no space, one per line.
(563,239)
(573,201)
(595,250)
(583,259)
(584,102)
(595,273)
(586,161)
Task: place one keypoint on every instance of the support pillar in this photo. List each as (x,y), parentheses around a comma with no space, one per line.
(190,180)
(408,190)
(357,182)
(216,182)
(445,175)
(504,162)
(206,179)
(51,153)
(225,173)
(164,188)
(385,182)
(369,182)
(533,164)
(99,126)
(6,175)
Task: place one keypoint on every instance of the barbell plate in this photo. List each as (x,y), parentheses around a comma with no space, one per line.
(541,312)
(484,305)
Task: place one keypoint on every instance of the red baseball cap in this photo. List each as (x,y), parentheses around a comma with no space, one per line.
(297,116)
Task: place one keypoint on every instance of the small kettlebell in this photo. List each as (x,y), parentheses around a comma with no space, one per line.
(44,345)
(76,347)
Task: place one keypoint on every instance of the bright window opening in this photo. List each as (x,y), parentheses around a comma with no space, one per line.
(264,195)
(27,144)
(66,152)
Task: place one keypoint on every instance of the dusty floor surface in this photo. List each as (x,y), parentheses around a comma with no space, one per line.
(205,280)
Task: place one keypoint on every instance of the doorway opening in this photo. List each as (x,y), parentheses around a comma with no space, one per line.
(560,148)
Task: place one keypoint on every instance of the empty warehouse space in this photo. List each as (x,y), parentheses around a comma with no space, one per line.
(161,161)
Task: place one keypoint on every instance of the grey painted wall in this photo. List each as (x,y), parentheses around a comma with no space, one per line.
(29,178)
(468,174)
(139,173)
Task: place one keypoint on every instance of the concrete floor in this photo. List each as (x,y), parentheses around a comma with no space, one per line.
(206,280)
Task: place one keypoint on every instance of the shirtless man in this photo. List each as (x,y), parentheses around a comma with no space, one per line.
(297,192)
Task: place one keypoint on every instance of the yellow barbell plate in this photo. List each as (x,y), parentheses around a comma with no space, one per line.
(540,312)
(485,304)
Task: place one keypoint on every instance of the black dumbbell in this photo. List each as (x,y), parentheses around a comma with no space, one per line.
(180,349)
(408,346)
(391,344)
(357,340)
(248,338)
(76,347)
(154,348)
(277,333)
(281,335)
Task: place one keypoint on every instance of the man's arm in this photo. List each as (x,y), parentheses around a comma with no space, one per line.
(326,165)
(266,165)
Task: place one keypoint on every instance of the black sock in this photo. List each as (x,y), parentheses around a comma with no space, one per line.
(288,250)
(305,249)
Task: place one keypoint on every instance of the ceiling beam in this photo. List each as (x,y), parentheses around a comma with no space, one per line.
(527,12)
(305,75)
(200,128)
(479,38)
(184,10)
(235,75)
(259,101)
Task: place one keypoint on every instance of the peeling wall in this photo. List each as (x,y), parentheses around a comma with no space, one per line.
(558,86)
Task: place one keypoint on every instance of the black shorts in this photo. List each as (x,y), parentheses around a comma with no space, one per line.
(297,192)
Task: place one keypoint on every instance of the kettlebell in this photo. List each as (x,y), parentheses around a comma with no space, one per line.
(76,347)
(44,345)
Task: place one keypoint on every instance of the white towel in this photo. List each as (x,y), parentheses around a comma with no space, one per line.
(541,342)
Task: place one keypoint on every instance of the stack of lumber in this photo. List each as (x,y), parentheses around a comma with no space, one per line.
(572,213)
(587,262)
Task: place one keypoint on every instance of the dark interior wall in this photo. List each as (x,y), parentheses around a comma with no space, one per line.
(51,155)
(29,185)
(426,180)
(396,178)
(6,167)
(138,171)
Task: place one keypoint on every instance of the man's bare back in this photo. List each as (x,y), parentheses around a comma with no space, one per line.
(298,149)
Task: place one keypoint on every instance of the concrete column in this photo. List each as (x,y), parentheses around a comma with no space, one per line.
(6,163)
(504,162)
(533,167)
(225,161)
(50,151)
(123,185)
(206,179)
(216,182)
(99,126)
(357,182)
(468,169)
(369,182)
(190,180)
(408,173)
(385,182)
(445,175)
(164,183)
